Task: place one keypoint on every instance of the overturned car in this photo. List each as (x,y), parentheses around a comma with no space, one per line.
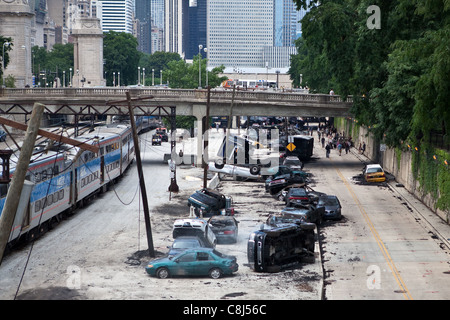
(208,202)
(280,245)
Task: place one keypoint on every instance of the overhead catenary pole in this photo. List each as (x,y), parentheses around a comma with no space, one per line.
(15,189)
(206,128)
(137,151)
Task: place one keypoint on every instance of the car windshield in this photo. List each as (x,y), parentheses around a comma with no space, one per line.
(292,162)
(374,170)
(328,201)
(298,192)
(187,232)
(185,244)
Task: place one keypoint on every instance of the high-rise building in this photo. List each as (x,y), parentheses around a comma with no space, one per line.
(285,23)
(175,26)
(115,15)
(238,30)
(143,14)
(196,34)
(157,12)
(251,33)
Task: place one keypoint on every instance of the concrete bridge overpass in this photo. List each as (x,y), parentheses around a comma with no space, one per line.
(170,102)
(150,101)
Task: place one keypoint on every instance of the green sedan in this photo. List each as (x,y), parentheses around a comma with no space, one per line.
(193,262)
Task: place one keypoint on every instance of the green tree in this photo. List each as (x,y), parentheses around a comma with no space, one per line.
(49,65)
(185,75)
(398,74)
(157,61)
(121,55)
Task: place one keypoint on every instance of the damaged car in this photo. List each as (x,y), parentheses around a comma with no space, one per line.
(304,212)
(193,262)
(225,228)
(273,248)
(194,227)
(276,185)
(208,202)
(332,207)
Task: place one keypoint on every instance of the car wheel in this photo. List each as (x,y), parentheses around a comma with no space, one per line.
(254,170)
(219,164)
(215,273)
(162,273)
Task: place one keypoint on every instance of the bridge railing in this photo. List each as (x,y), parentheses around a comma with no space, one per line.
(190,94)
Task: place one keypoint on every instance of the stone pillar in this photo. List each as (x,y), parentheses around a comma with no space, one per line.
(88,53)
(15,23)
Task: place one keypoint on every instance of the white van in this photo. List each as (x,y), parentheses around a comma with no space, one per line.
(194,227)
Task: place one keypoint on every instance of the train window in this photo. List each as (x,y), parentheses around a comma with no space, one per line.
(49,200)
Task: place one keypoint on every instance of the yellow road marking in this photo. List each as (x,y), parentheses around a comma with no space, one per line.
(377,237)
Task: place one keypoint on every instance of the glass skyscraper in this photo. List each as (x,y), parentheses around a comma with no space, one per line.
(251,33)
(238,30)
(116,15)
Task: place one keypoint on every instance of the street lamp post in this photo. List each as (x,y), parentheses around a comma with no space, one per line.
(153,77)
(3,62)
(114,79)
(70,77)
(200,47)
(160,77)
(143,77)
(118,78)
(206,51)
(139,76)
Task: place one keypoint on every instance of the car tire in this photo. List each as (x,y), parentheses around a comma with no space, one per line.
(219,164)
(254,170)
(215,273)
(162,273)
(280,197)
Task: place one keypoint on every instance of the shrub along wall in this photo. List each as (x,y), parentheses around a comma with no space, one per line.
(422,169)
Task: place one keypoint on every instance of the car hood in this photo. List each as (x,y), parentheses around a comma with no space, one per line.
(161,260)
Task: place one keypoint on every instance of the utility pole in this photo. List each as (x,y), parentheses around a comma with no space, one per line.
(205,141)
(15,189)
(173,187)
(230,119)
(137,151)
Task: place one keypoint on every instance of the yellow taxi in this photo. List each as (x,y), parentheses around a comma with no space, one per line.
(374,173)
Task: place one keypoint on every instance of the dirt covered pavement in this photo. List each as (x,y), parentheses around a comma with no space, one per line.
(115,269)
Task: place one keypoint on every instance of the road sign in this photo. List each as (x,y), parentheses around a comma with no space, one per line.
(291,147)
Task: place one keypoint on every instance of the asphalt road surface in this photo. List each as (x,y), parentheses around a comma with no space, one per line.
(387,246)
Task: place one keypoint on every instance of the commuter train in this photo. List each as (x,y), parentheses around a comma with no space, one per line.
(64,177)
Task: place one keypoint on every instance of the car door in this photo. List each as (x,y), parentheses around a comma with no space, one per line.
(204,263)
(185,264)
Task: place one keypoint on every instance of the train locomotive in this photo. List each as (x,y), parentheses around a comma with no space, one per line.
(62,178)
